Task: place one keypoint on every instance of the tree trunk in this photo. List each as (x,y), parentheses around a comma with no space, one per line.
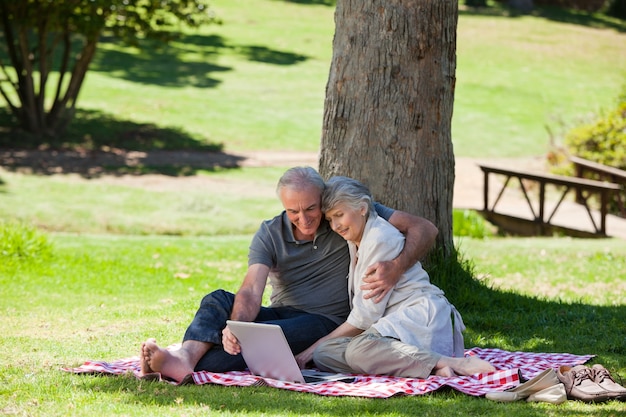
(389,100)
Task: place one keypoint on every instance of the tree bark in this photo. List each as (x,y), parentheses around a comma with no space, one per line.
(389,99)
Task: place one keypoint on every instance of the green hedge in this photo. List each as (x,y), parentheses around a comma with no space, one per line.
(602,141)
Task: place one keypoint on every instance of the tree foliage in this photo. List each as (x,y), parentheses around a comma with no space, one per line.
(48,45)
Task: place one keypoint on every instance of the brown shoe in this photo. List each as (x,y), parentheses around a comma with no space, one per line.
(602,377)
(579,384)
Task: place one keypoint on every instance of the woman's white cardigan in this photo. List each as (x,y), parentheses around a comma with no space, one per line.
(415,311)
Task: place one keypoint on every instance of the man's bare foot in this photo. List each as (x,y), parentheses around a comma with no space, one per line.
(171,364)
(144,360)
(463,366)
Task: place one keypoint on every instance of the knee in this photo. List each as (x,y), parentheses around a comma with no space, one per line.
(217,297)
(322,355)
(358,354)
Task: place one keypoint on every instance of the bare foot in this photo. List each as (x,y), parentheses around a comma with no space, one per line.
(445,371)
(144,358)
(463,366)
(171,364)
(472,365)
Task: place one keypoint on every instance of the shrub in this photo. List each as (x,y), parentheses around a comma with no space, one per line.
(468,223)
(603,141)
(20,242)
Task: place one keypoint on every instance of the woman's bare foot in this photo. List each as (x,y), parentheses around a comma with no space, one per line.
(445,371)
(463,366)
(171,364)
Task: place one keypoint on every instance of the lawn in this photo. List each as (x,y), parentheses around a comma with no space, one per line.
(99,265)
(74,297)
(258,81)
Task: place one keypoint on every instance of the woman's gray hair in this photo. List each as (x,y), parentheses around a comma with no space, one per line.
(347,191)
(298,178)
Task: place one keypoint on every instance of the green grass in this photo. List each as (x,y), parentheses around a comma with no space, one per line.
(516,77)
(97,297)
(258,81)
(116,260)
(141,205)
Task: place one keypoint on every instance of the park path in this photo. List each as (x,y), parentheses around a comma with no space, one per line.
(468,187)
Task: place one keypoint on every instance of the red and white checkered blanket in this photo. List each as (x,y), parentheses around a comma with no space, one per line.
(510,367)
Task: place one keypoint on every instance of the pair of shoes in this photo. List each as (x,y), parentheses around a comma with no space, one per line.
(544,387)
(583,383)
(602,377)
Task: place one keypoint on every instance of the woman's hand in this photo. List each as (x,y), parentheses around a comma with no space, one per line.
(304,357)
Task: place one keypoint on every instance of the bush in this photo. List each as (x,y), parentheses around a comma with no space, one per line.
(468,223)
(603,141)
(19,242)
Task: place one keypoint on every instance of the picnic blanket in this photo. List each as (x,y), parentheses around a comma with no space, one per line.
(512,368)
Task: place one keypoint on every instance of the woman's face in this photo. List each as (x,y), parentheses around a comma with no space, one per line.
(347,222)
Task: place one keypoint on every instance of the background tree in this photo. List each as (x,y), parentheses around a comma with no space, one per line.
(388,107)
(47,47)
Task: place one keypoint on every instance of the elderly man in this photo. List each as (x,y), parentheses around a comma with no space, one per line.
(307,265)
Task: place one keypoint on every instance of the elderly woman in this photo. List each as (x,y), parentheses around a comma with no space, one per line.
(414,331)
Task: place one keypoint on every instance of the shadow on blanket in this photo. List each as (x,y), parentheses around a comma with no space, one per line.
(512,369)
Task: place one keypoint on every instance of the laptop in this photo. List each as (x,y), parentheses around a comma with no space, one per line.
(267,354)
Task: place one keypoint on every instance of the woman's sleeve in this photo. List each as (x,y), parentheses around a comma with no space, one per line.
(376,247)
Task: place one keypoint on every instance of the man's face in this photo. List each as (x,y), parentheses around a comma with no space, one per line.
(304,209)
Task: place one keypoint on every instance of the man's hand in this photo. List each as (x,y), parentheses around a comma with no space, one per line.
(420,235)
(380,278)
(230,342)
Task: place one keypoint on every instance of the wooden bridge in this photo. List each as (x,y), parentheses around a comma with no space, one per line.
(544,208)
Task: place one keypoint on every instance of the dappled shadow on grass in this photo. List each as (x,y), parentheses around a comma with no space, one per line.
(269,56)
(92,164)
(165,65)
(96,130)
(188,61)
(97,144)
(550,13)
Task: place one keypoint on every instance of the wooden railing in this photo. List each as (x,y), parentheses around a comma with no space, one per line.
(603,173)
(585,188)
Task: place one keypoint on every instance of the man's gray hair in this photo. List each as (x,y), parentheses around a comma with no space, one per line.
(347,191)
(298,178)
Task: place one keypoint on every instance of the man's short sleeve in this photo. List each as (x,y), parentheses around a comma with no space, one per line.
(261,250)
(383,211)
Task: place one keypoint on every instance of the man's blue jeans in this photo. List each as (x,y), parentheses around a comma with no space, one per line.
(301,329)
